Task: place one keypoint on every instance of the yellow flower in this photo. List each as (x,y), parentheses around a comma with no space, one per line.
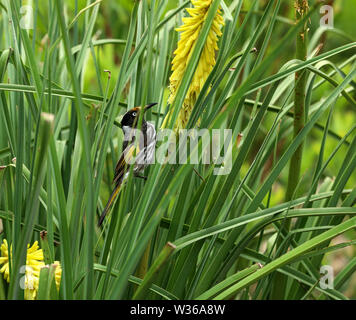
(31,283)
(189,34)
(58,273)
(34,257)
(4,259)
(34,263)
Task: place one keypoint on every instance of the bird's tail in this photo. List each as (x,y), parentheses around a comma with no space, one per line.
(108,205)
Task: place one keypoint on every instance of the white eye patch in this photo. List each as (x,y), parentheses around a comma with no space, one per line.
(134,114)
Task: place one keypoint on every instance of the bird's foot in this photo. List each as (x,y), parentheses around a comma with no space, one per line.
(142,177)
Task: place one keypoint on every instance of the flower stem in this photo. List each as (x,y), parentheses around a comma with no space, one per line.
(299,100)
(301,8)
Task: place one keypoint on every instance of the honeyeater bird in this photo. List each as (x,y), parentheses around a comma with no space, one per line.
(138,154)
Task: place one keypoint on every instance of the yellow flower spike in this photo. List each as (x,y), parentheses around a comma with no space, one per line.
(4,250)
(31,283)
(58,273)
(34,253)
(34,263)
(189,34)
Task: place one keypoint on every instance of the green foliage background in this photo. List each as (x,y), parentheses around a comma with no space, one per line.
(220,226)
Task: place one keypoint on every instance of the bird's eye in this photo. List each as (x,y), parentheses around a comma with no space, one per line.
(134,114)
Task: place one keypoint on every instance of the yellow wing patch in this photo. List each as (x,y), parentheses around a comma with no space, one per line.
(127,159)
(129,154)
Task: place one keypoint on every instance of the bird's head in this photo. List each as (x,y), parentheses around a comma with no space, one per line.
(130,118)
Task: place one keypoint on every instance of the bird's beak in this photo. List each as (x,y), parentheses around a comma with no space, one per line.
(150,106)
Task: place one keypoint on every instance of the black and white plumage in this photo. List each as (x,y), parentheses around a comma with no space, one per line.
(139,154)
(145,147)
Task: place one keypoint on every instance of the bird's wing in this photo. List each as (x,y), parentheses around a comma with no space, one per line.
(126,159)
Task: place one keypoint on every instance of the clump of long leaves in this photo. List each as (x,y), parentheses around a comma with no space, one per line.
(185,233)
